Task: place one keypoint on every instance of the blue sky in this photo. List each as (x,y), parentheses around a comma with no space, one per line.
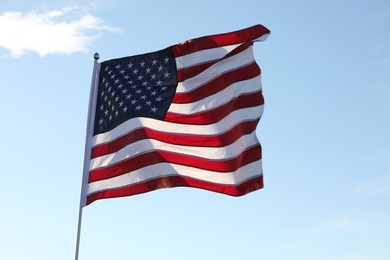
(324,132)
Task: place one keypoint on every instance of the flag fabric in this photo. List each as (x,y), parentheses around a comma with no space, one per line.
(182,116)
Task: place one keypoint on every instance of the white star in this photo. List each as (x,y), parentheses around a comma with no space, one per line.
(128,96)
(148,102)
(153,76)
(133,101)
(118,66)
(154,62)
(142,64)
(159,83)
(158,99)
(135,71)
(122,72)
(138,107)
(166,74)
(153,93)
(148,70)
(130,65)
(140,77)
(154,109)
(101,121)
(160,68)
(125,109)
(166,59)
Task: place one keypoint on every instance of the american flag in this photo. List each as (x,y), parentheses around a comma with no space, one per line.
(182,116)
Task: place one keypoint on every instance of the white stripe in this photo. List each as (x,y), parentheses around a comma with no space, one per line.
(203,56)
(149,145)
(168,169)
(262,38)
(234,118)
(224,96)
(229,64)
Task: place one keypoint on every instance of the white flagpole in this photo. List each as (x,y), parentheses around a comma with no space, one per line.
(87,151)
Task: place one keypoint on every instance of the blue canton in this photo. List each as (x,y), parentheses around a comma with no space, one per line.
(135,86)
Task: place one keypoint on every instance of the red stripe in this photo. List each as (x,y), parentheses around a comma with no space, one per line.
(224,139)
(217,114)
(192,71)
(155,157)
(179,181)
(213,41)
(216,85)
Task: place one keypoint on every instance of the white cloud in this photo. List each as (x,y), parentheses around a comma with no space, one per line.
(379,186)
(63,31)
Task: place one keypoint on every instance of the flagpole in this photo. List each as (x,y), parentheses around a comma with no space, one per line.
(87,151)
(78,232)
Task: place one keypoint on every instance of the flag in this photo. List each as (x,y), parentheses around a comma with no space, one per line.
(182,116)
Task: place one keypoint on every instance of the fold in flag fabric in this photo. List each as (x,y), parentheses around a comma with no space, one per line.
(182,116)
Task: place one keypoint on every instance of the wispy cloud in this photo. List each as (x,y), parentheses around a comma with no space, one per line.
(334,226)
(379,186)
(64,31)
(355,257)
